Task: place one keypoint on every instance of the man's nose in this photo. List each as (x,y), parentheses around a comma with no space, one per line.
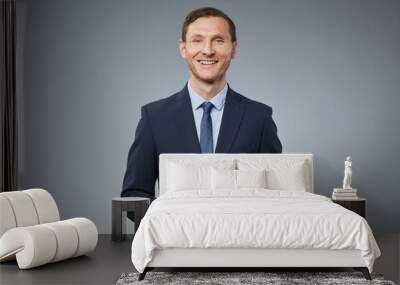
(208,49)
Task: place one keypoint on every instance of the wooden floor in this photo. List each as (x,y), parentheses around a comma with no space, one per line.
(111,259)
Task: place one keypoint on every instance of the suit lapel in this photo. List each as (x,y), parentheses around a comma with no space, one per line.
(184,120)
(230,124)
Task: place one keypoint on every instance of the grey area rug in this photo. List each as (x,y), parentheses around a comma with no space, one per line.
(269,278)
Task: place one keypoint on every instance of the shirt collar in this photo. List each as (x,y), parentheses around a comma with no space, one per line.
(218,101)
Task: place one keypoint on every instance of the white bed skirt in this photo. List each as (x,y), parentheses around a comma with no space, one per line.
(193,257)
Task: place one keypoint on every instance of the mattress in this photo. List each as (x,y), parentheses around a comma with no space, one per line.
(250,219)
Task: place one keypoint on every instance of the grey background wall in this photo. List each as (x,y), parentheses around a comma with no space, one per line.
(330,70)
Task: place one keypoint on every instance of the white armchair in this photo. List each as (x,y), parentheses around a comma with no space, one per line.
(31,230)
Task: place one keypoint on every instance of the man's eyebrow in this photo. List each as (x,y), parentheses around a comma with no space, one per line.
(213,36)
(196,36)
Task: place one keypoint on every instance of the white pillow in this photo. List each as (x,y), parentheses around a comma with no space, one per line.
(237,179)
(223,179)
(251,178)
(282,174)
(191,174)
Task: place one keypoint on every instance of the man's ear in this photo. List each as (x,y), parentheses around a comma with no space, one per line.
(182,48)
(234,50)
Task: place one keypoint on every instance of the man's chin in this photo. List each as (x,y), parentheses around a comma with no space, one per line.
(208,80)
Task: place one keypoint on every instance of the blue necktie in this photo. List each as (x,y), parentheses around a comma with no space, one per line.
(206,137)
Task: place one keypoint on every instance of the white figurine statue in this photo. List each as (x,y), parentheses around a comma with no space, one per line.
(347,173)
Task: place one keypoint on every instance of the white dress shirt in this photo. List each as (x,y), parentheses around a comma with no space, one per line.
(216,113)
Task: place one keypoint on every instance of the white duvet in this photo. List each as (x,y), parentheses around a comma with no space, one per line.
(250,219)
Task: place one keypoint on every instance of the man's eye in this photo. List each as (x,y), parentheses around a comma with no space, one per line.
(220,41)
(196,40)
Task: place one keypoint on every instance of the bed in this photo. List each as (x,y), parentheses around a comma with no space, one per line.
(247,210)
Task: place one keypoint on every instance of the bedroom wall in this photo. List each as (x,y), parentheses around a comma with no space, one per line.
(330,70)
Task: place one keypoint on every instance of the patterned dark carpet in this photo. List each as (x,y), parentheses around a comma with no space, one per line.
(243,278)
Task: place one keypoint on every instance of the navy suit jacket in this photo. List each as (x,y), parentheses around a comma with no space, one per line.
(167,126)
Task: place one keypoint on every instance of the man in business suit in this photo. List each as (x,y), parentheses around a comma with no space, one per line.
(206,116)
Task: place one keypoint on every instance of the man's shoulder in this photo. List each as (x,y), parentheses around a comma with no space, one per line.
(161,104)
(251,105)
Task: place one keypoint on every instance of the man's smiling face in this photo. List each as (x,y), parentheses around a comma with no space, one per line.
(208,49)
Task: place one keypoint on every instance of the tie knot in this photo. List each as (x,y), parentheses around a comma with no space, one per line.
(207,107)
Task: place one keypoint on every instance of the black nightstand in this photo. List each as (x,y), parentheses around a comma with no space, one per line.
(358,206)
(120,205)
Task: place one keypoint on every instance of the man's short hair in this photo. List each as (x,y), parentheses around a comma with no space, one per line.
(207,12)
